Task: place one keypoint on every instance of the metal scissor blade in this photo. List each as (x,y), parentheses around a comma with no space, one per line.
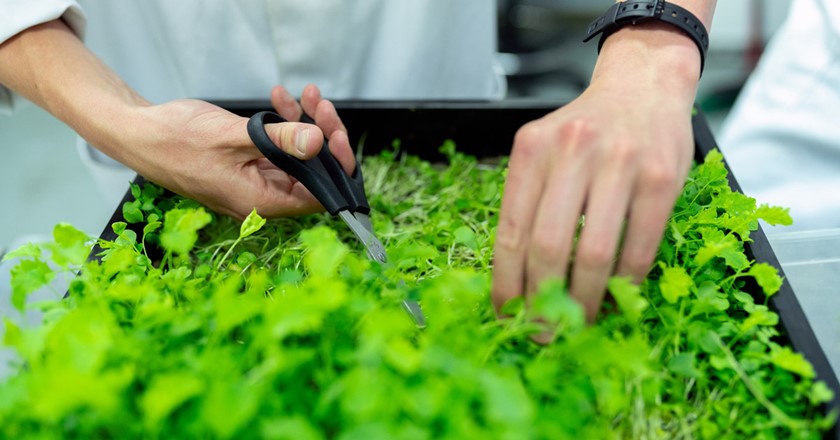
(360,225)
(416,313)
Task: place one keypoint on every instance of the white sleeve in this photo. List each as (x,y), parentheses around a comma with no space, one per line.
(19,15)
(831,11)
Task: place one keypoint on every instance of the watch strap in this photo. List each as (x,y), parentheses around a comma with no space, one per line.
(639,11)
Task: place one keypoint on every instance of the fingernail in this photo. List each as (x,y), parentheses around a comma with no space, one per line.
(302,140)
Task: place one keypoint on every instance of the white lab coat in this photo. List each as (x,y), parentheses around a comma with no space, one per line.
(365,49)
(782,138)
(360,49)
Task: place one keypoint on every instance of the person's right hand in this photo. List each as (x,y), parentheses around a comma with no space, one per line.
(202,151)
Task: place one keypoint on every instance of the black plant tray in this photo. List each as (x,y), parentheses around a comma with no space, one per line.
(486,129)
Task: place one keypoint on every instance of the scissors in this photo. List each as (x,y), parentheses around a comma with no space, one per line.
(341,195)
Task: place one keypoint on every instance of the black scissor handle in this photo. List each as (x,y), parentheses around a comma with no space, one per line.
(352,187)
(321,175)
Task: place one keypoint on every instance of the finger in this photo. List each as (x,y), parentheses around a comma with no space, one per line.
(300,140)
(648,215)
(523,189)
(556,221)
(340,148)
(309,99)
(553,232)
(290,196)
(605,213)
(255,184)
(326,116)
(285,104)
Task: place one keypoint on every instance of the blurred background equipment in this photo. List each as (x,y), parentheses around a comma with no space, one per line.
(541,52)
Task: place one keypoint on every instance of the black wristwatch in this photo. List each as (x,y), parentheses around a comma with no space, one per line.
(639,11)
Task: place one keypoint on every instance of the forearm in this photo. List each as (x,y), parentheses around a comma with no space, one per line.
(50,66)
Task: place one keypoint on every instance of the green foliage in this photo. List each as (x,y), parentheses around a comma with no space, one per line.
(27,277)
(282,329)
(180,229)
(252,224)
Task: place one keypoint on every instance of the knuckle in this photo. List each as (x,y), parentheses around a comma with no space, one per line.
(575,137)
(543,250)
(659,177)
(527,140)
(579,130)
(594,254)
(576,133)
(510,239)
(636,264)
(624,152)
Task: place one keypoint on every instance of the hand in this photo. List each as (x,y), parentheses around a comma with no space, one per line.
(191,147)
(203,152)
(617,155)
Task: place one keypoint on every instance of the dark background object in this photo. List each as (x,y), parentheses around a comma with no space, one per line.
(540,45)
(486,129)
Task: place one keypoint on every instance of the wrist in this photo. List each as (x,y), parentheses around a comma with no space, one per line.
(655,54)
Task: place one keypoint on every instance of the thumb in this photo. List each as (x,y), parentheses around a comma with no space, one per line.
(301,140)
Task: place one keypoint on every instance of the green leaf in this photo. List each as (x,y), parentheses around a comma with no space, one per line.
(27,277)
(252,223)
(628,296)
(118,260)
(71,245)
(718,244)
(735,258)
(227,407)
(767,277)
(787,359)
(233,309)
(131,212)
(675,283)
(119,227)
(820,393)
(466,236)
(290,428)
(28,250)
(245,258)
(701,335)
(709,299)
(152,225)
(683,365)
(506,399)
(166,393)
(135,190)
(12,336)
(180,228)
(150,193)
(774,215)
(759,316)
(553,303)
(513,306)
(324,252)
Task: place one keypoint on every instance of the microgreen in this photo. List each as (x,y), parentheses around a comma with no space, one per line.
(203,327)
